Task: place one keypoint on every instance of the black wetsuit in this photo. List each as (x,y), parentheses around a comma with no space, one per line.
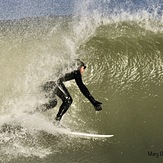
(58,88)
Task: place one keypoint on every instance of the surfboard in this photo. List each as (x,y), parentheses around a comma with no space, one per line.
(68,131)
(90,135)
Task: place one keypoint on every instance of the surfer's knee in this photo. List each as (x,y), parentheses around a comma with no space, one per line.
(51,104)
(68,100)
(48,86)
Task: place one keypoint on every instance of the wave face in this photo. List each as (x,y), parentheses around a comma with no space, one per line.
(126,54)
(122,45)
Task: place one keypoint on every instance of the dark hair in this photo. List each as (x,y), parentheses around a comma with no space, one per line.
(80,64)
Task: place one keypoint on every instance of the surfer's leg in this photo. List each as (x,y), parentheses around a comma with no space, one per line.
(52,103)
(44,107)
(66,100)
(50,90)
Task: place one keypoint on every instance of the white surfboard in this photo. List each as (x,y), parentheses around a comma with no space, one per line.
(90,135)
(67,131)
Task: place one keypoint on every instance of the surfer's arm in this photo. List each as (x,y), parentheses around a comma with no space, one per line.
(81,85)
(86,92)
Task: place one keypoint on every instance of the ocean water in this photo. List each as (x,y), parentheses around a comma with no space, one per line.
(122,46)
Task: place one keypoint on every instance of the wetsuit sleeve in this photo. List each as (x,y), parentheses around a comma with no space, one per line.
(81,85)
(85,91)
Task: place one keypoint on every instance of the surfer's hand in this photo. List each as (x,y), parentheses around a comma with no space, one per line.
(97,106)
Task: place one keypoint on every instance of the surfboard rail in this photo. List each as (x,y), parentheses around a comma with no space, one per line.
(90,135)
(67,131)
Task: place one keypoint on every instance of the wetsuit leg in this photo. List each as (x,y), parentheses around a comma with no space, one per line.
(52,103)
(63,93)
(50,90)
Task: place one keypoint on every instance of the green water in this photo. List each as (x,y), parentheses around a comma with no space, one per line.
(124,71)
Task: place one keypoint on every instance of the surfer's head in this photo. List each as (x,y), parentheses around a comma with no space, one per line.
(80,65)
(82,69)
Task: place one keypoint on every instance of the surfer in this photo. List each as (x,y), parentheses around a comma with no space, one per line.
(58,88)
